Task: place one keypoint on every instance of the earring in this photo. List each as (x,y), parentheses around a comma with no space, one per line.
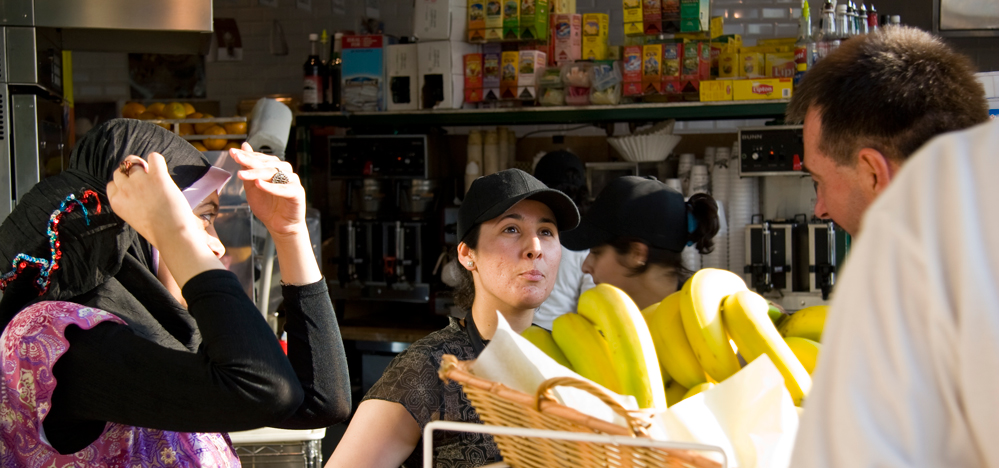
(641,264)
(469,264)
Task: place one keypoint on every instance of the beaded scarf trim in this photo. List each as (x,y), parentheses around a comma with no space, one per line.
(47,266)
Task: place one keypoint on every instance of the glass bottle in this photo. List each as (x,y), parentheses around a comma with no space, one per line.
(802,47)
(335,62)
(314,75)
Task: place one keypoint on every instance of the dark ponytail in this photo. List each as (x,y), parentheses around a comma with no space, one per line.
(705,212)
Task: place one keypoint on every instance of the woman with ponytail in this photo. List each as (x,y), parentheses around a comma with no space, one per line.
(636,230)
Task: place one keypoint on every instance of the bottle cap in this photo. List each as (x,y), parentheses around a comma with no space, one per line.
(313,37)
(841,9)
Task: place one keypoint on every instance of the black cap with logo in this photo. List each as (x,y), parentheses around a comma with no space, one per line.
(491,195)
(633,207)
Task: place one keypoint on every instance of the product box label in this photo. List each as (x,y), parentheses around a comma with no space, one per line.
(670,16)
(672,59)
(632,12)
(696,60)
(780,65)
(771,88)
(632,64)
(473,71)
(511,20)
(494,20)
(491,66)
(694,9)
(532,64)
(716,90)
(753,63)
(534,20)
(652,72)
(567,40)
(402,74)
(362,73)
(508,78)
(594,48)
(652,17)
(729,65)
(476,20)
(595,24)
(567,7)
(439,20)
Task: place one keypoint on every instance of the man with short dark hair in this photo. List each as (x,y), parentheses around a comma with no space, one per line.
(870,104)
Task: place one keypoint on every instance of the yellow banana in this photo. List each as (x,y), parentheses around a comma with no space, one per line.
(745,315)
(588,352)
(650,309)
(674,393)
(700,307)
(543,340)
(806,350)
(646,313)
(676,358)
(700,388)
(805,323)
(617,318)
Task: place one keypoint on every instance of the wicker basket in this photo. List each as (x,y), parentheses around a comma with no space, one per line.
(499,405)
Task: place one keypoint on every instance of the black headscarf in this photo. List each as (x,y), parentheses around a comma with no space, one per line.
(104,264)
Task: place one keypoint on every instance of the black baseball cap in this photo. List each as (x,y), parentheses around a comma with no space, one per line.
(491,195)
(634,207)
(560,167)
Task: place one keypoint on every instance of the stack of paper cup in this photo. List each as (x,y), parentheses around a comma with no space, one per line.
(490,153)
(683,168)
(709,157)
(473,168)
(691,258)
(720,176)
(718,258)
(675,184)
(502,156)
(700,182)
(742,204)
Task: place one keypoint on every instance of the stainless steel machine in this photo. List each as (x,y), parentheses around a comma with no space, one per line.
(791,256)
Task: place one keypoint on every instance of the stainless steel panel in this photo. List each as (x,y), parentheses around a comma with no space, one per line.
(6,194)
(21,55)
(17,12)
(150,15)
(24,123)
(3,54)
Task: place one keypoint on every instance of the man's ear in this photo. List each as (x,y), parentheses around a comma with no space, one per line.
(877,167)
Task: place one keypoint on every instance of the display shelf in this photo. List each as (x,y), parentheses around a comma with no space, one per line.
(552,115)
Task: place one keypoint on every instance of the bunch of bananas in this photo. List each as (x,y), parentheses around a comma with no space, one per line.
(685,344)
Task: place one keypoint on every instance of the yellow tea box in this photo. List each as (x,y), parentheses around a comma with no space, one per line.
(761,89)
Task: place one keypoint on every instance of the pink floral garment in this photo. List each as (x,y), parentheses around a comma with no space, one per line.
(31,344)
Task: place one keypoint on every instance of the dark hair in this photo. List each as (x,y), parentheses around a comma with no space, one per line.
(892,91)
(705,211)
(579,194)
(464,292)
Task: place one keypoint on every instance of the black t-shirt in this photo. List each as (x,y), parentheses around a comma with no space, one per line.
(238,380)
(411,380)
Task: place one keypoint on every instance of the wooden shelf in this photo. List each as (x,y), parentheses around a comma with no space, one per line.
(551,115)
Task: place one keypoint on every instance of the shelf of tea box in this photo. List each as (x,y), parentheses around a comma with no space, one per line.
(645,112)
(175,127)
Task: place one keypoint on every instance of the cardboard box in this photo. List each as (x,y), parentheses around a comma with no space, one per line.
(476,20)
(631,71)
(567,38)
(690,90)
(402,74)
(753,63)
(652,17)
(511,20)
(728,43)
(442,78)
(777,42)
(529,70)
(440,20)
(534,20)
(716,90)
(595,30)
(565,7)
(767,88)
(672,59)
(780,65)
(696,60)
(491,72)
(729,65)
(633,22)
(670,16)
(716,27)
(362,73)
(473,77)
(695,9)
(652,69)
(508,78)
(494,20)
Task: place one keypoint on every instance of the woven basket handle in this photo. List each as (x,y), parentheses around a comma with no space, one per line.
(638,420)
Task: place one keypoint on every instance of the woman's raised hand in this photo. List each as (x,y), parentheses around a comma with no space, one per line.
(280,206)
(148,200)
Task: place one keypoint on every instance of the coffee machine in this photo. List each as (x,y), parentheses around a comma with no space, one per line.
(387,239)
(791,256)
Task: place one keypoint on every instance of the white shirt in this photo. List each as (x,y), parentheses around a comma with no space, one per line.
(570,283)
(909,370)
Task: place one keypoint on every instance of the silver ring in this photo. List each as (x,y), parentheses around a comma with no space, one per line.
(279,178)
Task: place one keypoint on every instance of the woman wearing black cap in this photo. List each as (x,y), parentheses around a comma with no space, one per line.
(509,253)
(112,359)
(636,230)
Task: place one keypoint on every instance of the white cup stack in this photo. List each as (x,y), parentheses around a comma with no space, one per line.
(718,258)
(700,182)
(691,258)
(720,179)
(743,202)
(675,184)
(683,168)
(709,157)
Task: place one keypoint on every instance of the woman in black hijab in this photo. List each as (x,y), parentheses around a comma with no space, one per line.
(102,362)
